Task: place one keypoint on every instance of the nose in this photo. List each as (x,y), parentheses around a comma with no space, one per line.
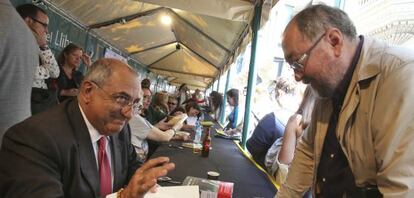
(127,111)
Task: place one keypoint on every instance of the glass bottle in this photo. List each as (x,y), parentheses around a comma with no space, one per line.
(198,132)
(206,143)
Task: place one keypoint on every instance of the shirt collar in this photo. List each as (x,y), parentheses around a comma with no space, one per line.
(95,135)
(343,87)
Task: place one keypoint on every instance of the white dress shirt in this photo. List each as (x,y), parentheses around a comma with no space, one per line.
(95,136)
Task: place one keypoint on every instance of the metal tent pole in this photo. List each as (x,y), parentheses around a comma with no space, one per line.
(223,106)
(252,71)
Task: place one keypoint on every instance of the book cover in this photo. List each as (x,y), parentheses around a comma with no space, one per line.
(179,119)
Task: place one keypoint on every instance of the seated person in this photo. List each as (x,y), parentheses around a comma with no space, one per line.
(141,130)
(198,97)
(267,131)
(233,100)
(81,147)
(281,153)
(146,83)
(271,127)
(158,109)
(215,103)
(193,111)
(172,103)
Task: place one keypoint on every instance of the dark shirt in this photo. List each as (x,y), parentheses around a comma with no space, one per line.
(154,114)
(268,130)
(65,83)
(335,177)
(233,118)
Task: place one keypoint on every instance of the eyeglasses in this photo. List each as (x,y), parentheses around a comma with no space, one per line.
(45,25)
(123,100)
(171,103)
(299,64)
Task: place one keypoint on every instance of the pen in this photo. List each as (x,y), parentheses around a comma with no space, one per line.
(174,146)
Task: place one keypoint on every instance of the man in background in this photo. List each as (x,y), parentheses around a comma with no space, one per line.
(44,95)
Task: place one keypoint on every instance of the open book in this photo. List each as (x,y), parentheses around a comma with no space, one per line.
(221,134)
(179,119)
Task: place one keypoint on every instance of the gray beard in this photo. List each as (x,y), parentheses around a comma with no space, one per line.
(323,92)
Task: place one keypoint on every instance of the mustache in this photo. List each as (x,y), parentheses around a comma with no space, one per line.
(117,115)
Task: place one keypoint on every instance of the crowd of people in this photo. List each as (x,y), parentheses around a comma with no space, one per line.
(65,133)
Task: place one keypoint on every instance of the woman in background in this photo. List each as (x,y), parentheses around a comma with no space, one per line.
(70,78)
(158,109)
(145,136)
(172,103)
(233,100)
(215,102)
(193,111)
(183,94)
(281,153)
(272,126)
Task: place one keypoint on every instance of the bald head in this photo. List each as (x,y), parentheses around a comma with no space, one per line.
(314,20)
(102,69)
(109,93)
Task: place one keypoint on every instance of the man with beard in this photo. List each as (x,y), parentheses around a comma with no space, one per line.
(82,147)
(359,141)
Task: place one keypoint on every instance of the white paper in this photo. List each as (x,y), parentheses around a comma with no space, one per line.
(175,192)
(192,120)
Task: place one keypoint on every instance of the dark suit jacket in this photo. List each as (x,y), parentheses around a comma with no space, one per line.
(51,155)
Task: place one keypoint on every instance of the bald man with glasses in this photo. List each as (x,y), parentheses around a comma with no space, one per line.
(82,147)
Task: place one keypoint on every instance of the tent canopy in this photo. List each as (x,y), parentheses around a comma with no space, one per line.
(198,46)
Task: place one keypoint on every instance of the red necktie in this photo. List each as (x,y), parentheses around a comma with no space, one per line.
(104,168)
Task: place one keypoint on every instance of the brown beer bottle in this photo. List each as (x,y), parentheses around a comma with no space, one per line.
(206,143)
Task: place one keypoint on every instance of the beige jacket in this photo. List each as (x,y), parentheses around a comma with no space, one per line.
(375,126)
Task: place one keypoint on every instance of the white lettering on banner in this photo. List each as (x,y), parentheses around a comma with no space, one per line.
(58,39)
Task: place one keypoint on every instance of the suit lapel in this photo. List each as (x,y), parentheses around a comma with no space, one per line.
(117,161)
(87,158)
(349,106)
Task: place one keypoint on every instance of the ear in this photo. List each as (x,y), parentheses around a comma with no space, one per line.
(87,89)
(336,40)
(28,21)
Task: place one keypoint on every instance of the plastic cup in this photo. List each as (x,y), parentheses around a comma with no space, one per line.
(197,148)
(213,175)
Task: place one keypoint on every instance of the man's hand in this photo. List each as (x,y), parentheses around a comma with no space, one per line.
(40,38)
(86,59)
(145,178)
(163,125)
(296,125)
